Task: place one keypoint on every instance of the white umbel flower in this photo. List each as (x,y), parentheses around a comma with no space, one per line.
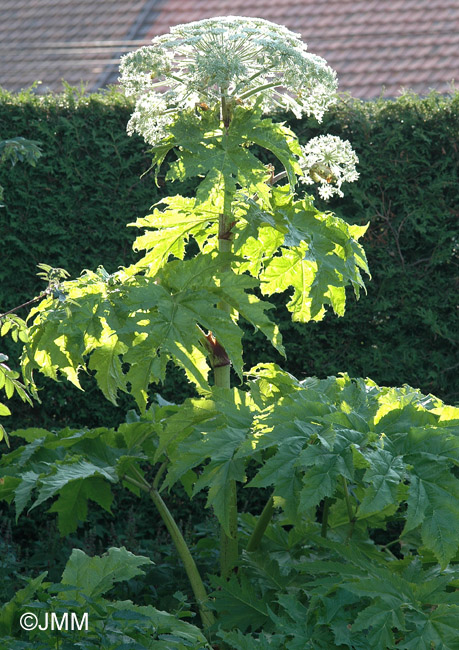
(238,59)
(150,117)
(330,161)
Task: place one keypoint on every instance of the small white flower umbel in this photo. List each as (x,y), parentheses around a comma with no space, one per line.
(231,58)
(330,161)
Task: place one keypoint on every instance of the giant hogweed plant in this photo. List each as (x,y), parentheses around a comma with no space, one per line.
(343,458)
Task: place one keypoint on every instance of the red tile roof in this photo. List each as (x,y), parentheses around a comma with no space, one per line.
(370,43)
(75,40)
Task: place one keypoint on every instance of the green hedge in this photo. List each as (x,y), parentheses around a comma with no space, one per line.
(406,329)
(71,210)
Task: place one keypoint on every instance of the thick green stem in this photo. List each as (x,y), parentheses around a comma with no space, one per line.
(222,376)
(261,525)
(192,572)
(190,567)
(222,372)
(325,512)
(226,111)
(228,543)
(350,512)
(159,474)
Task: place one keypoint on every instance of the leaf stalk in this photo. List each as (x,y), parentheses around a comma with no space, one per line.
(261,525)
(325,512)
(350,512)
(191,569)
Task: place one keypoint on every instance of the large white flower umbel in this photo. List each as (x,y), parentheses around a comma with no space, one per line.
(234,58)
(229,61)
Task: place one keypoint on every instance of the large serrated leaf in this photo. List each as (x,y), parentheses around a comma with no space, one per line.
(67,473)
(280,472)
(440,629)
(238,603)
(211,436)
(217,155)
(383,475)
(380,617)
(222,469)
(94,576)
(323,258)
(71,505)
(326,466)
(174,225)
(106,362)
(144,323)
(23,491)
(179,425)
(282,142)
(233,291)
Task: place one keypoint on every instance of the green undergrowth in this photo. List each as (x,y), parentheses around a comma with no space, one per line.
(346,460)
